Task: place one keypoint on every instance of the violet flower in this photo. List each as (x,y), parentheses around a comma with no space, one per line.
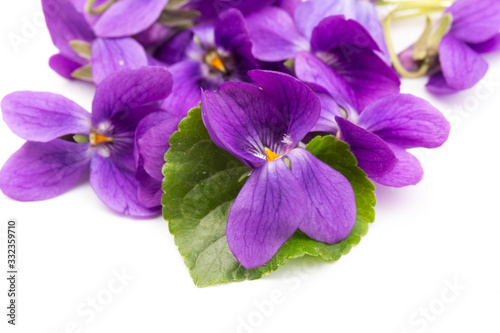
(361,75)
(206,56)
(289,188)
(458,65)
(64,140)
(81,54)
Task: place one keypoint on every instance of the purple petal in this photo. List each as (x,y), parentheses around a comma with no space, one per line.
(300,107)
(408,171)
(38,116)
(152,135)
(374,156)
(129,89)
(462,67)
(334,31)
(437,85)
(406,121)
(274,36)
(288,5)
(112,55)
(39,171)
(63,66)
(475,21)
(211,9)
(65,24)
(266,213)
(245,120)
(368,75)
(174,50)
(491,45)
(186,94)
(114,182)
(329,110)
(232,35)
(128,17)
(150,192)
(154,35)
(314,71)
(332,205)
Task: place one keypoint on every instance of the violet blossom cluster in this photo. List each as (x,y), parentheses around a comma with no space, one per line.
(270,74)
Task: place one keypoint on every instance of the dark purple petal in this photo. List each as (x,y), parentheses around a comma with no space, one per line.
(332,205)
(39,171)
(266,213)
(475,21)
(129,89)
(462,67)
(65,24)
(114,182)
(374,156)
(408,171)
(155,34)
(174,50)
(437,85)
(274,36)
(368,75)
(128,17)
(211,9)
(150,192)
(491,45)
(38,116)
(232,35)
(314,71)
(112,55)
(288,5)
(186,93)
(334,31)
(63,66)
(406,121)
(300,107)
(152,135)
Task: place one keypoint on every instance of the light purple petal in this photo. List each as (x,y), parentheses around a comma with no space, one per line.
(462,67)
(129,89)
(374,156)
(186,93)
(152,137)
(300,107)
(491,45)
(329,110)
(274,36)
(112,55)
(314,71)
(288,5)
(39,171)
(406,121)
(332,205)
(154,35)
(437,85)
(266,213)
(334,31)
(150,192)
(115,184)
(475,21)
(128,17)
(408,171)
(63,66)
(367,74)
(38,116)
(65,24)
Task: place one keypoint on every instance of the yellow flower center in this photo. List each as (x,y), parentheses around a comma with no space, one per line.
(270,155)
(213,59)
(96,138)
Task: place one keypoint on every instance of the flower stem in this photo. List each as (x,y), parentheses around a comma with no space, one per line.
(98,10)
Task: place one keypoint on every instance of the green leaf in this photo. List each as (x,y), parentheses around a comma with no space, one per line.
(200,184)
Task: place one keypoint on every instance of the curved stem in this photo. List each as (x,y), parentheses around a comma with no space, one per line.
(394,57)
(98,10)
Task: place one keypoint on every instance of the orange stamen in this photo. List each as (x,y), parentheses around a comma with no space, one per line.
(270,155)
(213,59)
(96,138)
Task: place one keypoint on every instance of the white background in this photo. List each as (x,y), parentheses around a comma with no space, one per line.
(443,231)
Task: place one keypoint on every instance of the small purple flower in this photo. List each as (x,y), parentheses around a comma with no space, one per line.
(64,140)
(81,54)
(361,76)
(289,188)
(206,56)
(458,65)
